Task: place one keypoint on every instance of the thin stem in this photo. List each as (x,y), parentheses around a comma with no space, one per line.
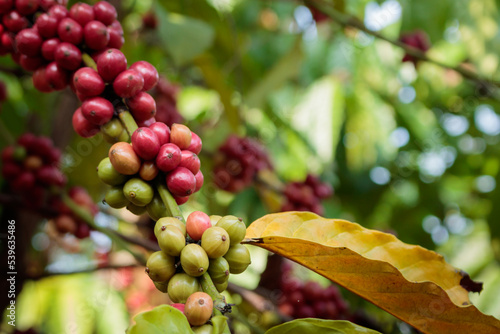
(169,202)
(88,61)
(127,121)
(219,301)
(87,217)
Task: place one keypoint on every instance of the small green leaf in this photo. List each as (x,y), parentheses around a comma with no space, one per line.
(163,319)
(319,326)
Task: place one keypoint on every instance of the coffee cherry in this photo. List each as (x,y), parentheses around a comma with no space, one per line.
(30,63)
(215,242)
(138,192)
(156,208)
(221,286)
(135,209)
(83,127)
(83,231)
(148,170)
(115,198)
(70,31)
(116,38)
(111,63)
(214,219)
(181,200)
(65,224)
(172,241)
(47,25)
(196,224)
(108,174)
(10,170)
(162,223)
(196,144)
(238,258)
(235,227)
(58,11)
(194,260)
(51,175)
(49,47)
(181,286)
(15,22)
(163,287)
(198,308)
(23,182)
(124,136)
(205,329)
(168,158)
(124,159)
(113,128)
(149,73)
(162,131)
(29,42)
(142,106)
(180,135)
(33,163)
(190,161)
(68,56)
(181,182)
(160,267)
(105,12)
(95,35)
(88,82)
(57,76)
(6,5)
(219,270)
(128,83)
(97,110)
(145,143)
(199,181)
(81,13)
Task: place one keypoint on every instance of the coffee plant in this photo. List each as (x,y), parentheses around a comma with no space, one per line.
(259,119)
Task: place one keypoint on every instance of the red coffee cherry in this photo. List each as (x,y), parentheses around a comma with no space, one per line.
(197,223)
(15,22)
(162,131)
(51,175)
(68,56)
(49,48)
(142,106)
(116,38)
(110,63)
(88,82)
(82,126)
(26,7)
(7,42)
(57,76)
(6,5)
(70,31)
(30,63)
(96,35)
(196,143)
(58,11)
(23,182)
(146,123)
(149,73)
(40,81)
(105,12)
(97,110)
(128,83)
(199,181)
(181,200)
(145,143)
(181,182)
(29,42)
(81,13)
(47,25)
(190,161)
(168,158)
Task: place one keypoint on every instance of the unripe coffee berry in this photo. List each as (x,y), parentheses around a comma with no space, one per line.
(218,270)
(113,128)
(238,258)
(235,227)
(108,174)
(138,192)
(160,267)
(221,286)
(181,286)
(180,135)
(162,286)
(196,224)
(194,260)
(172,241)
(124,159)
(148,170)
(215,242)
(162,223)
(135,209)
(156,208)
(169,157)
(198,308)
(145,143)
(115,198)
(181,182)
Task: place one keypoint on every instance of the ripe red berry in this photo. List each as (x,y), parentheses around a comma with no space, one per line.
(116,38)
(196,143)
(142,106)
(82,126)
(110,63)
(81,13)
(181,182)
(105,12)
(68,56)
(70,31)
(40,81)
(26,7)
(47,25)
(15,22)
(7,42)
(58,11)
(96,35)
(149,73)
(128,83)
(30,63)
(83,231)
(162,131)
(97,110)
(197,223)
(190,161)
(5,5)
(88,82)
(199,180)
(57,76)
(168,158)
(145,143)
(49,48)
(146,123)
(181,200)
(29,42)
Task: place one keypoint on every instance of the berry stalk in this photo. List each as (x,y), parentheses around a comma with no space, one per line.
(220,304)
(170,204)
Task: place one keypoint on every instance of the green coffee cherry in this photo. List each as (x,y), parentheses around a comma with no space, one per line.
(165,221)
(214,219)
(181,286)
(115,198)
(218,270)
(235,227)
(160,267)
(194,260)
(108,175)
(205,329)
(112,129)
(108,139)
(136,210)
(171,241)
(124,136)
(138,192)
(161,286)
(221,286)
(215,241)
(156,208)
(238,258)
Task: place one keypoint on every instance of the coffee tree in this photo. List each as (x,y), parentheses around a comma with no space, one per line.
(70,63)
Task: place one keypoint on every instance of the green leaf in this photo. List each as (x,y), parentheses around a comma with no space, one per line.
(319,326)
(163,319)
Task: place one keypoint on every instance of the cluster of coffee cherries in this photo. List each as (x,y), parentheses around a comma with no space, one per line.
(205,244)
(237,163)
(165,94)
(307,195)
(156,153)
(198,310)
(417,39)
(309,299)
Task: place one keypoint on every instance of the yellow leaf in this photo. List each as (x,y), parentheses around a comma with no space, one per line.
(412,283)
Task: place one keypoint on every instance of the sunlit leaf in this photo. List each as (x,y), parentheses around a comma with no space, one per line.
(410,282)
(319,326)
(162,319)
